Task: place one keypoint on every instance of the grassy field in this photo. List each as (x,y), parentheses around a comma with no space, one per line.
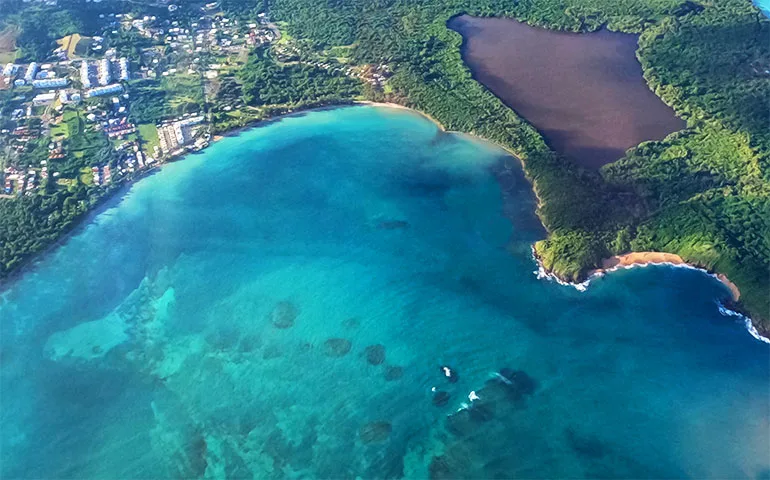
(59,131)
(182,89)
(8,49)
(149,135)
(285,37)
(86,176)
(75,44)
(71,125)
(74,123)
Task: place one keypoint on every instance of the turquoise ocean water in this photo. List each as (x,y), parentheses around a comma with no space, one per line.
(280,306)
(763,5)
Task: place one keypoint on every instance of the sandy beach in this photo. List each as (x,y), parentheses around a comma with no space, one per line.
(648,258)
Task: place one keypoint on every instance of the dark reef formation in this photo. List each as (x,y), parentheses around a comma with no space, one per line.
(337,347)
(441,398)
(284,314)
(481,426)
(375,354)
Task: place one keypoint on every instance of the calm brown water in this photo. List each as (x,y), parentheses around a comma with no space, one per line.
(584,92)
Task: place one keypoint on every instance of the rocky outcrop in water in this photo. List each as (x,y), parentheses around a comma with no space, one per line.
(440,398)
(283,315)
(375,354)
(481,426)
(337,347)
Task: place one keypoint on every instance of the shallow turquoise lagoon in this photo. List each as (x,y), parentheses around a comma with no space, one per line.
(281,305)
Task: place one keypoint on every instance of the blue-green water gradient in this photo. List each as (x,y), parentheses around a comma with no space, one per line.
(279,306)
(763,5)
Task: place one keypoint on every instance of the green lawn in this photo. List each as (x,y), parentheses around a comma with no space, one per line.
(86,176)
(71,125)
(8,49)
(285,37)
(74,123)
(182,89)
(59,131)
(149,135)
(8,57)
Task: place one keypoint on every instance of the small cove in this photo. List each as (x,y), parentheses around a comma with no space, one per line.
(584,92)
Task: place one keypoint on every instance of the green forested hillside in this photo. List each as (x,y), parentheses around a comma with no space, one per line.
(264,82)
(702,193)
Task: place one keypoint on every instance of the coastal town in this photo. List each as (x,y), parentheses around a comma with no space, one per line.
(364,239)
(99,109)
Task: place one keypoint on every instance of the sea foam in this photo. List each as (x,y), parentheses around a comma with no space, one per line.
(746,321)
(542,273)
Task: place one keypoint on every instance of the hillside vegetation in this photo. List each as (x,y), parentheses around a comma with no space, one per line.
(701,193)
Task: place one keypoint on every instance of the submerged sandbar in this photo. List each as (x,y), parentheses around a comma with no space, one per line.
(583,91)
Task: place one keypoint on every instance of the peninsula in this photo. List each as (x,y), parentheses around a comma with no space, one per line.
(94,94)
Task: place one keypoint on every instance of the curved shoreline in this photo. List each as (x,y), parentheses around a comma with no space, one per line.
(642,259)
(617,262)
(629,260)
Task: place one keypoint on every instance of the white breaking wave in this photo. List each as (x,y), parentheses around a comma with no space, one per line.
(746,321)
(541,273)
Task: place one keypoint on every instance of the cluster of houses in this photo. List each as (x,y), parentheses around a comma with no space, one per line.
(286,52)
(101,175)
(131,157)
(52,85)
(73,80)
(55,151)
(21,135)
(21,181)
(375,75)
(119,127)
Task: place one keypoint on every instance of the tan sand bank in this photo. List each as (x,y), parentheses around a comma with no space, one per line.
(646,258)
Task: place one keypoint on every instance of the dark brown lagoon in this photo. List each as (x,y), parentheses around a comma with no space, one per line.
(583,91)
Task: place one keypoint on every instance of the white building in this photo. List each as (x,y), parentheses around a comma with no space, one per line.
(10,69)
(85,74)
(106,90)
(123,69)
(31,71)
(104,72)
(44,98)
(50,83)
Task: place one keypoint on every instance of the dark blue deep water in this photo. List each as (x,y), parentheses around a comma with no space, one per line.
(280,305)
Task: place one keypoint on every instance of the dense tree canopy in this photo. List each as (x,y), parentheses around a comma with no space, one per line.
(264,82)
(703,193)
